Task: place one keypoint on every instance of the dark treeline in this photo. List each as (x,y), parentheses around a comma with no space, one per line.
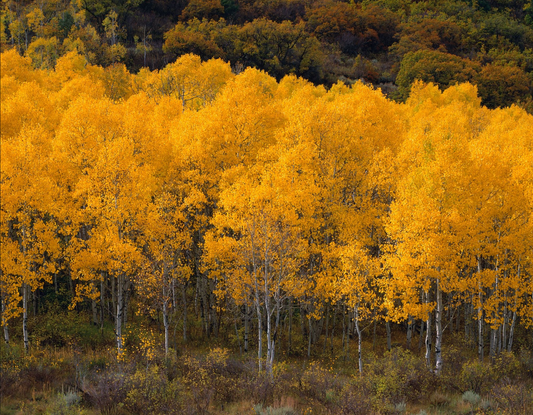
(386,43)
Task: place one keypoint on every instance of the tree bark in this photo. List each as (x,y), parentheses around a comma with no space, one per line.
(120,310)
(260,336)
(359,348)
(428,334)
(511,333)
(333,328)
(246,326)
(327,329)
(421,337)
(438,330)
(102,302)
(166,322)
(309,338)
(409,331)
(184,301)
(4,322)
(290,325)
(95,312)
(25,293)
(389,335)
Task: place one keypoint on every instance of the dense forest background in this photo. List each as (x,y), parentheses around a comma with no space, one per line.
(327,208)
(388,43)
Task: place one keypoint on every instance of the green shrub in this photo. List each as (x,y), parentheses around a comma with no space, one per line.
(512,397)
(399,376)
(150,392)
(477,377)
(67,404)
(472,398)
(60,328)
(354,398)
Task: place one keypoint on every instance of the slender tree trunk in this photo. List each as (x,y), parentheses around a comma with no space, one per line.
(215,321)
(260,336)
(492,344)
(333,329)
(270,350)
(4,322)
(344,330)
(480,344)
(409,331)
(505,324)
(184,301)
(428,335)
(374,334)
(34,299)
(513,321)
(511,333)
(467,321)
(120,310)
(389,335)
(102,302)
(309,337)
(438,330)
(114,296)
(238,337)
(95,312)
(290,324)
(359,348)
(327,329)
(276,329)
(421,337)
(166,322)
(173,288)
(25,293)
(302,324)
(6,334)
(495,314)
(246,326)
(348,334)
(499,340)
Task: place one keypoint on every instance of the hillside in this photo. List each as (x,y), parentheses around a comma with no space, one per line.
(387,43)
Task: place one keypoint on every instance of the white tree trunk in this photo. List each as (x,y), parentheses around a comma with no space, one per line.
(4,322)
(480,344)
(166,325)
(511,333)
(428,335)
(25,294)
(359,347)
(246,326)
(119,315)
(260,343)
(270,343)
(438,330)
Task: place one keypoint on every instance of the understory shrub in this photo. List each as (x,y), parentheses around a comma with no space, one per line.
(512,397)
(150,392)
(399,377)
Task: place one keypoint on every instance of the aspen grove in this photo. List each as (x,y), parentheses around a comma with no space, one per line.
(259,205)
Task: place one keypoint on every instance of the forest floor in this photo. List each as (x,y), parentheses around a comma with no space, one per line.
(203,377)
